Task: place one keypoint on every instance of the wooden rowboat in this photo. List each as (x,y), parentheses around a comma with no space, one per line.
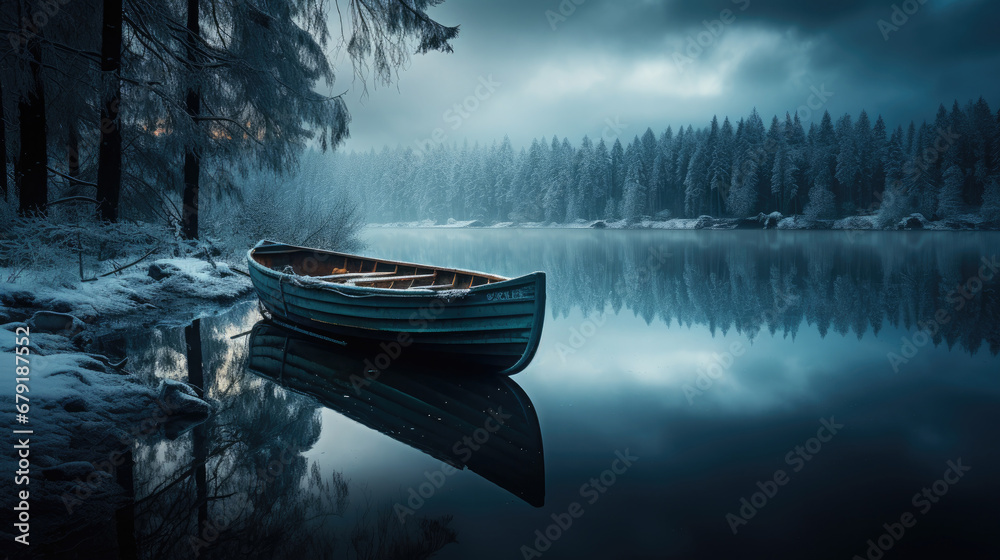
(481,322)
(485,424)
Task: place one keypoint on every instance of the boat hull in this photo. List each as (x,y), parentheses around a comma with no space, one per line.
(493,327)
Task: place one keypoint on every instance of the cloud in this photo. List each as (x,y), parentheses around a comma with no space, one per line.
(617,59)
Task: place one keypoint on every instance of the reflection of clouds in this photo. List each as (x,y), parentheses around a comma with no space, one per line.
(775,372)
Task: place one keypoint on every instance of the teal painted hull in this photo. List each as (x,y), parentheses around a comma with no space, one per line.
(492,327)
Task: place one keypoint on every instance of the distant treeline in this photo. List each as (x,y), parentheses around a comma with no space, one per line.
(943,169)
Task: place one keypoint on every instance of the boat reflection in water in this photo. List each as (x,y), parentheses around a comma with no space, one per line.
(436,414)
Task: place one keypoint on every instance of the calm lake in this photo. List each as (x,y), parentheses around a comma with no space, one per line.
(696,394)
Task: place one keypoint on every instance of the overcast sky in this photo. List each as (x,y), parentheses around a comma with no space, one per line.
(615,67)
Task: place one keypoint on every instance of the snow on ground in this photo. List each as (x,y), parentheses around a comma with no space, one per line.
(80,408)
(85,413)
(186,281)
(85,410)
(856,222)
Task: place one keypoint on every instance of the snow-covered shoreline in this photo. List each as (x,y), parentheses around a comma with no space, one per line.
(163,291)
(968,222)
(87,407)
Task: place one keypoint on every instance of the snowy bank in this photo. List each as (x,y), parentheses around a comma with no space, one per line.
(774,220)
(84,413)
(172,288)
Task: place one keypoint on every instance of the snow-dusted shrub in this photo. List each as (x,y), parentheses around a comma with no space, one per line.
(895,206)
(299,209)
(990,210)
(821,202)
(60,251)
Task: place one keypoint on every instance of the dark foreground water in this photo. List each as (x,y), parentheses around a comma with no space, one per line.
(695,395)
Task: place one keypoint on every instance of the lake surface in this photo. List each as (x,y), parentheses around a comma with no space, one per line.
(710,394)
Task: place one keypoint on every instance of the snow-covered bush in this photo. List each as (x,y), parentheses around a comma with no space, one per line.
(990,210)
(821,202)
(895,206)
(300,209)
(950,199)
(70,246)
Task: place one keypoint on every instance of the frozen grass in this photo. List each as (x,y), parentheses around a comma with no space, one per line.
(72,264)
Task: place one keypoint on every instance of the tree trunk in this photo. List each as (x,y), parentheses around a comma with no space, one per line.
(33,177)
(3,146)
(128,548)
(73,158)
(192,154)
(199,436)
(109,166)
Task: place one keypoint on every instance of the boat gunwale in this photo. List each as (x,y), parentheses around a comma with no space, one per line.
(314,282)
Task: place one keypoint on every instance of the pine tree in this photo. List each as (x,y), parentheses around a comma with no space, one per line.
(583,190)
(745,183)
(602,180)
(874,165)
(554,197)
(821,201)
(990,210)
(662,181)
(950,199)
(848,164)
(918,181)
(798,152)
(634,197)
(720,170)
(894,202)
(696,182)
(617,172)
(503,184)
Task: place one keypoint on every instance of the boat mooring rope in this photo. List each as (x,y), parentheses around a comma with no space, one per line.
(289,326)
(268,316)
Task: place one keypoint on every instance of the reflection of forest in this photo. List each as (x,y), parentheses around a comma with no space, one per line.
(237,485)
(746,281)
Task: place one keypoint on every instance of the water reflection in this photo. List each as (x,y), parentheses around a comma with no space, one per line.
(239,485)
(266,476)
(486,424)
(747,281)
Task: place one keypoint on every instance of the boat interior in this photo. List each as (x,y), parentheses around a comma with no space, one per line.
(352,270)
